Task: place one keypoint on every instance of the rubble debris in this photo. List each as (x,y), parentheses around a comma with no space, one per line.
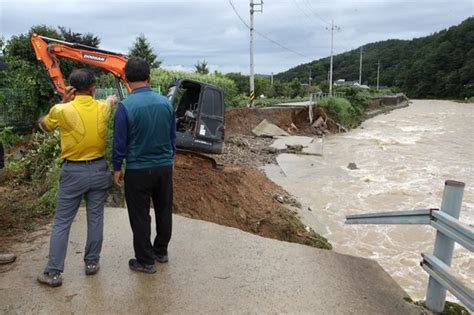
(267,129)
(320,123)
(247,150)
(298,145)
(292,128)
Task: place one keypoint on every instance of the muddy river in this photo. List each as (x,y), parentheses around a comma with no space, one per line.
(403,159)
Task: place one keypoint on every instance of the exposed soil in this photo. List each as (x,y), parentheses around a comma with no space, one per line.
(240,197)
(241,121)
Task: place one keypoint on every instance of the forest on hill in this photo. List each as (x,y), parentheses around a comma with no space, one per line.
(440,65)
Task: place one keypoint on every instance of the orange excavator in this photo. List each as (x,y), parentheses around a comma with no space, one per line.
(48,52)
(199,106)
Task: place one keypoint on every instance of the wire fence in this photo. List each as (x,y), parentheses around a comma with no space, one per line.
(17,109)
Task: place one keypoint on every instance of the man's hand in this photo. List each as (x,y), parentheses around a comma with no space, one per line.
(112,99)
(69,94)
(118,178)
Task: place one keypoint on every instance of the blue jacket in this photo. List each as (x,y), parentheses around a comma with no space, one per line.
(144,131)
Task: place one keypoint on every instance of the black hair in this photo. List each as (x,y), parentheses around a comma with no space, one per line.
(137,69)
(82,79)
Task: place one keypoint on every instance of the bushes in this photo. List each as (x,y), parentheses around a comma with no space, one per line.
(9,138)
(162,78)
(342,111)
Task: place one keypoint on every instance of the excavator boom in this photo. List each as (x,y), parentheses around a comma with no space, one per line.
(48,50)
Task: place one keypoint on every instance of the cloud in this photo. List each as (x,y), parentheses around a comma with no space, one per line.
(184,31)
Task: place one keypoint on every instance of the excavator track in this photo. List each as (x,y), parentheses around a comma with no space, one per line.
(187,159)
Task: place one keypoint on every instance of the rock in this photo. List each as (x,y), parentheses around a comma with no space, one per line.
(7,258)
(352,166)
(279,198)
(295,147)
(292,128)
(310,209)
(319,123)
(18,155)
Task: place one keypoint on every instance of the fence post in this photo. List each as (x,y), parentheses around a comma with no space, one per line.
(443,247)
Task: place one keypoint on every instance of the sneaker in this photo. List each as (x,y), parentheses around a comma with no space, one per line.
(92,267)
(53,279)
(162,258)
(137,266)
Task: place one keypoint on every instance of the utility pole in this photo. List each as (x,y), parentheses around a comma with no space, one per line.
(378,74)
(271,79)
(252,73)
(310,78)
(360,67)
(333,27)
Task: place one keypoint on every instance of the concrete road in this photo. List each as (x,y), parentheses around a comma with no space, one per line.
(212,269)
(294,104)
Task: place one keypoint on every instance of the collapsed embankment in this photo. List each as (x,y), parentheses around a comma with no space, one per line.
(237,195)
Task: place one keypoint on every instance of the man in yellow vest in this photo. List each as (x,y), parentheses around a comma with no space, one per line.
(82,122)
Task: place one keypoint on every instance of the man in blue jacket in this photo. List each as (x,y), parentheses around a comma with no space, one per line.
(145,136)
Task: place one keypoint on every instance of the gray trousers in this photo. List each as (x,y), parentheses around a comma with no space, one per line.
(91,180)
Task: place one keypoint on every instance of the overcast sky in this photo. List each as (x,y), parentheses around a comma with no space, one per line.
(184,31)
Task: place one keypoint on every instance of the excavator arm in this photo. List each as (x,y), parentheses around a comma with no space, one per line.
(48,50)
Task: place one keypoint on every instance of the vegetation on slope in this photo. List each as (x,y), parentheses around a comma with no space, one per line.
(437,66)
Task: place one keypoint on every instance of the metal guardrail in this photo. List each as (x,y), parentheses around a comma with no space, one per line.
(316,97)
(449,230)
(102,93)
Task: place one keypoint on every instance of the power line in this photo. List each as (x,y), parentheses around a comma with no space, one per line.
(313,10)
(304,12)
(265,36)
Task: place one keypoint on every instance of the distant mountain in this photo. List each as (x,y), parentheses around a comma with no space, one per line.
(440,65)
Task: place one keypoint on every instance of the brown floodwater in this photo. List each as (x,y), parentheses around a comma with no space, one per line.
(403,159)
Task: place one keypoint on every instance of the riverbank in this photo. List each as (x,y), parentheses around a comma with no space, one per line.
(402,160)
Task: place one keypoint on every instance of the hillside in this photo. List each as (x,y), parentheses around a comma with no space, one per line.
(437,66)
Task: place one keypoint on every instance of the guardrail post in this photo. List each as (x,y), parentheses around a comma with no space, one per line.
(443,247)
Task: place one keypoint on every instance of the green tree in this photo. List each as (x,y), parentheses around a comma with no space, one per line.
(324,86)
(25,75)
(296,88)
(241,81)
(142,48)
(201,67)
(88,39)
(27,86)
(262,84)
(438,65)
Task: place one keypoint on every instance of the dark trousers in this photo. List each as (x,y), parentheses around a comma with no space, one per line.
(142,186)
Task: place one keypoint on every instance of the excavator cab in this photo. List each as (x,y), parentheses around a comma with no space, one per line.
(199,115)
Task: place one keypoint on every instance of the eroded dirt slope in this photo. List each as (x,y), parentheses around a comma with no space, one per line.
(240,197)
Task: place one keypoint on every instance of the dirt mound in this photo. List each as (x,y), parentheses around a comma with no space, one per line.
(240,197)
